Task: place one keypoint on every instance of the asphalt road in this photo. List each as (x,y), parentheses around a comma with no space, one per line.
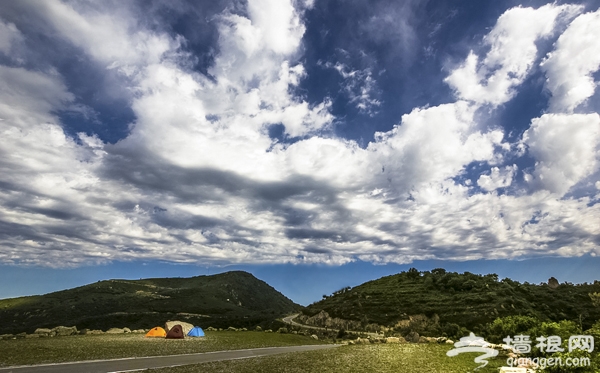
(143,363)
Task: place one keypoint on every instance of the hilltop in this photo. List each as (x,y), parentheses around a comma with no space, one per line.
(229,299)
(440,302)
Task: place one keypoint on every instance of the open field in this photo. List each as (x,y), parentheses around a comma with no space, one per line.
(114,346)
(380,358)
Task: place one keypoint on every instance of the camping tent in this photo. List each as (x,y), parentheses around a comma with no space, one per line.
(156,332)
(176,332)
(196,332)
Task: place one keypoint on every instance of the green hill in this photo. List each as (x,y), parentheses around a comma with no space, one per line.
(440,302)
(228,299)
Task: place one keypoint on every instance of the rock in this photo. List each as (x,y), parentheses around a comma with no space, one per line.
(186,326)
(441,339)
(294,332)
(139,331)
(45,331)
(232,329)
(449,342)
(21,335)
(392,340)
(6,336)
(211,329)
(412,337)
(350,342)
(363,340)
(431,339)
(258,329)
(83,331)
(60,331)
(268,331)
(282,330)
(115,331)
(314,336)
(126,330)
(423,340)
(95,332)
(32,335)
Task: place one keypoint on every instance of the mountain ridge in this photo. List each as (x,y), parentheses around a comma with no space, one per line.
(233,298)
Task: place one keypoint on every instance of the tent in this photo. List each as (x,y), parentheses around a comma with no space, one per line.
(176,332)
(196,332)
(156,332)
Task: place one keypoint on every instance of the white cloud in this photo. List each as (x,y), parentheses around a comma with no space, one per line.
(570,66)
(565,147)
(432,145)
(512,53)
(360,87)
(9,34)
(497,178)
(198,179)
(106,36)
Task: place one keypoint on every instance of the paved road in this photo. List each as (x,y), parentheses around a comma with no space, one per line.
(143,363)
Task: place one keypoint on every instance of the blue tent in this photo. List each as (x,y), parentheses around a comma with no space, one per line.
(196,332)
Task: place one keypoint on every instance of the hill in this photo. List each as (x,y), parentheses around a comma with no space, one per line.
(440,302)
(229,299)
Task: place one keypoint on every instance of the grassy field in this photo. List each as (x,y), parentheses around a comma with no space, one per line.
(113,346)
(380,358)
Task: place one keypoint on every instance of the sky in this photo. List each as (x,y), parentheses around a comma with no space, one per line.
(314,143)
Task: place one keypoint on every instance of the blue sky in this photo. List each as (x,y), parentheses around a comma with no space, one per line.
(315,138)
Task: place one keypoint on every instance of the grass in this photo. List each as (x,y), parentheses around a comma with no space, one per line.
(381,358)
(114,346)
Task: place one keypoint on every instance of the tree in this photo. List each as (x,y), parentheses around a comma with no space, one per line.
(595,299)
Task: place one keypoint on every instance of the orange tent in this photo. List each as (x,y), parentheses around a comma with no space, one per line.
(156,332)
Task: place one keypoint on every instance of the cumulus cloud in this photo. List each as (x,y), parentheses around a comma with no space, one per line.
(512,53)
(570,66)
(198,178)
(566,148)
(497,178)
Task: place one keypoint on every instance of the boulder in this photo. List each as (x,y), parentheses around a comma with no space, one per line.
(43,331)
(258,329)
(115,331)
(7,336)
(315,337)
(449,342)
(60,331)
(139,331)
(363,340)
(232,329)
(423,340)
(211,329)
(392,340)
(95,332)
(412,337)
(126,330)
(186,326)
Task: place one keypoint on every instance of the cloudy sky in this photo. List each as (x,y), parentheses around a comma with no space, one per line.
(297,133)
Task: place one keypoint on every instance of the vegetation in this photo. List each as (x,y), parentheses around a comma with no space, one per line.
(114,346)
(436,303)
(381,358)
(228,299)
